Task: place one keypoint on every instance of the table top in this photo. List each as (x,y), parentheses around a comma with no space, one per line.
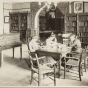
(55,49)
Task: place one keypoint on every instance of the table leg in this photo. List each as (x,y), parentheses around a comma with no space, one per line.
(59,68)
(13,52)
(20,52)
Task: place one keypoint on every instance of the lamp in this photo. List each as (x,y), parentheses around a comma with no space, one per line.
(55,4)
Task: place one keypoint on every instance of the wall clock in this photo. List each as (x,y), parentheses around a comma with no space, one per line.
(78,7)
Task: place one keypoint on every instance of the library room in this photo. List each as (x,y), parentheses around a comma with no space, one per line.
(44,43)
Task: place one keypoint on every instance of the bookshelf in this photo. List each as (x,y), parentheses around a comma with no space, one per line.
(83,28)
(42,23)
(77,24)
(23,21)
(14,22)
(18,23)
(71,23)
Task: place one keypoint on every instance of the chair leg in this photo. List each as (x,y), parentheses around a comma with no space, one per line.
(13,52)
(64,70)
(54,76)
(39,79)
(80,73)
(43,76)
(59,68)
(87,61)
(85,64)
(31,76)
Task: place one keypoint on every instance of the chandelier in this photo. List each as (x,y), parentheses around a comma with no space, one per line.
(50,5)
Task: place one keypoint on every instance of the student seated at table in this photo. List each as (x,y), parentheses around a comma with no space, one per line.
(51,40)
(74,43)
(33,44)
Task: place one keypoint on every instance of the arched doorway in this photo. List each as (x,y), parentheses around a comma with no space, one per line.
(53,20)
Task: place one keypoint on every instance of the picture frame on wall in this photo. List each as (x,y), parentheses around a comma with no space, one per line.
(78,7)
(85,6)
(6,19)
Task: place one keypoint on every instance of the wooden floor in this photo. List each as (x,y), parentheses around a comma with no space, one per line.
(16,72)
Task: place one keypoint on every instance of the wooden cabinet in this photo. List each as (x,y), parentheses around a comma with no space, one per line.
(77,24)
(14,22)
(18,23)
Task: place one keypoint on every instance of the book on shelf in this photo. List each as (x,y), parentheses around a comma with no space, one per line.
(72,19)
(71,24)
(83,18)
(71,29)
(83,29)
(81,24)
(83,34)
(86,23)
(85,40)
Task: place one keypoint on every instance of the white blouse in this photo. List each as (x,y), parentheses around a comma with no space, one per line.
(33,45)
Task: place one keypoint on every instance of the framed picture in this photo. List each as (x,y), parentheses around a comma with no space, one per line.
(78,7)
(85,6)
(6,19)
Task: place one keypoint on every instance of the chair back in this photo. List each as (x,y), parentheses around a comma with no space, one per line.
(33,58)
(81,57)
(28,47)
(77,56)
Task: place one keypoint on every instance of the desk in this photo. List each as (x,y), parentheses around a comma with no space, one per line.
(54,53)
(8,41)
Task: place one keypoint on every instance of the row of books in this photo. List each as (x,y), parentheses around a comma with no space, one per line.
(83,29)
(83,34)
(14,17)
(16,24)
(72,29)
(83,18)
(71,24)
(83,23)
(71,18)
(23,21)
(14,21)
(84,40)
(23,28)
(14,28)
(23,17)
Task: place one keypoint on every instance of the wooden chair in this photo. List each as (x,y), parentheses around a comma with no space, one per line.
(85,58)
(40,68)
(75,60)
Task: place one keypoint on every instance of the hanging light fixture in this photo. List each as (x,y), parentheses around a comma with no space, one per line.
(39,3)
(55,4)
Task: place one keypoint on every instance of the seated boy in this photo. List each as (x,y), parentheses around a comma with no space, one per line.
(75,43)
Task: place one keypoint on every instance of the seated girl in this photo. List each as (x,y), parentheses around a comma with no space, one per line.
(51,40)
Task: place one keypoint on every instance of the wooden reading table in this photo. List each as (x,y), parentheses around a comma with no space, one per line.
(55,52)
